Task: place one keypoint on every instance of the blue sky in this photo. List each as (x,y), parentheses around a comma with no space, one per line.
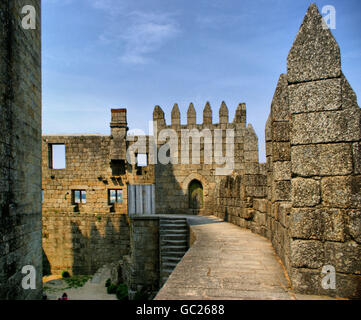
(102,54)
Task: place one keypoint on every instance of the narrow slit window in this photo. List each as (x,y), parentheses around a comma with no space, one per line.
(57,156)
(79,196)
(116,196)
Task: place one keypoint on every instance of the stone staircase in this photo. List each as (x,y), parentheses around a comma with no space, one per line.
(173,242)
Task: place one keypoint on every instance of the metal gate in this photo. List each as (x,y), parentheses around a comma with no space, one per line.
(141,199)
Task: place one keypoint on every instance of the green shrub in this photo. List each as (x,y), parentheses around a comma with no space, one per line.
(141,295)
(77,281)
(108,283)
(65,274)
(122,292)
(112,289)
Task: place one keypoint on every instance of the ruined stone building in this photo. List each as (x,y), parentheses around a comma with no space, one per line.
(104,207)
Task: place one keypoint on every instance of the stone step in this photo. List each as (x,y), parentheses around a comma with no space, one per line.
(175,222)
(177,255)
(164,280)
(168,226)
(167,249)
(172,236)
(169,265)
(173,232)
(167,259)
(166,272)
(166,242)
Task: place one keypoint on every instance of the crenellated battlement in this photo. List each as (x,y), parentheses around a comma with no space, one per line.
(239,117)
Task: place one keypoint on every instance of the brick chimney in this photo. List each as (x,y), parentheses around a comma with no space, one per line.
(118,127)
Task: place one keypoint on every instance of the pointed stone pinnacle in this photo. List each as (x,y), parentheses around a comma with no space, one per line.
(191,109)
(207,114)
(207,107)
(175,115)
(191,114)
(315,54)
(223,113)
(158,113)
(224,108)
(175,110)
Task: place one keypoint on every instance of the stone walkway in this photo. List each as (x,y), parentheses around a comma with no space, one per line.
(227,262)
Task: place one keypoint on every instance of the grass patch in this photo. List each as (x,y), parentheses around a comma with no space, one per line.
(77,281)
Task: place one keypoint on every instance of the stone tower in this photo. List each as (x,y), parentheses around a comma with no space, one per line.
(20,150)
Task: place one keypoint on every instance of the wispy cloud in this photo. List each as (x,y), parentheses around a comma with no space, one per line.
(139,34)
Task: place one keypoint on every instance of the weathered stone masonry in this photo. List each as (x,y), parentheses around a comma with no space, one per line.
(173,180)
(305,199)
(81,237)
(20,150)
(312,210)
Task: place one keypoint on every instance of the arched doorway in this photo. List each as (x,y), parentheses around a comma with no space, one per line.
(195,193)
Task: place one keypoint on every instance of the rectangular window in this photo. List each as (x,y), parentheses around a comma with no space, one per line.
(57,156)
(79,196)
(142,159)
(116,196)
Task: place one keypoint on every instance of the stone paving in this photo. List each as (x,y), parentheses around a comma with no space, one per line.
(227,262)
(94,289)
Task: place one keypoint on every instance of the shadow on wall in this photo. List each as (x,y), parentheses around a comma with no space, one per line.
(46,265)
(173,198)
(82,243)
(95,250)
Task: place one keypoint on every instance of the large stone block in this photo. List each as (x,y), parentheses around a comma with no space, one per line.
(356,153)
(318,224)
(349,99)
(328,126)
(282,170)
(323,95)
(353,224)
(341,192)
(282,191)
(322,160)
(305,192)
(307,254)
(345,257)
(280,131)
(280,106)
(305,224)
(281,151)
(315,53)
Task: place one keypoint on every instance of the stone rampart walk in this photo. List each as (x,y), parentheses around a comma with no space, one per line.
(227,262)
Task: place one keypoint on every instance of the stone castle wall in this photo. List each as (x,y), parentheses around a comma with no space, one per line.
(20,149)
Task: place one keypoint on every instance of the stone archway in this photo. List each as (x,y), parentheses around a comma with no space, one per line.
(195,195)
(200,186)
